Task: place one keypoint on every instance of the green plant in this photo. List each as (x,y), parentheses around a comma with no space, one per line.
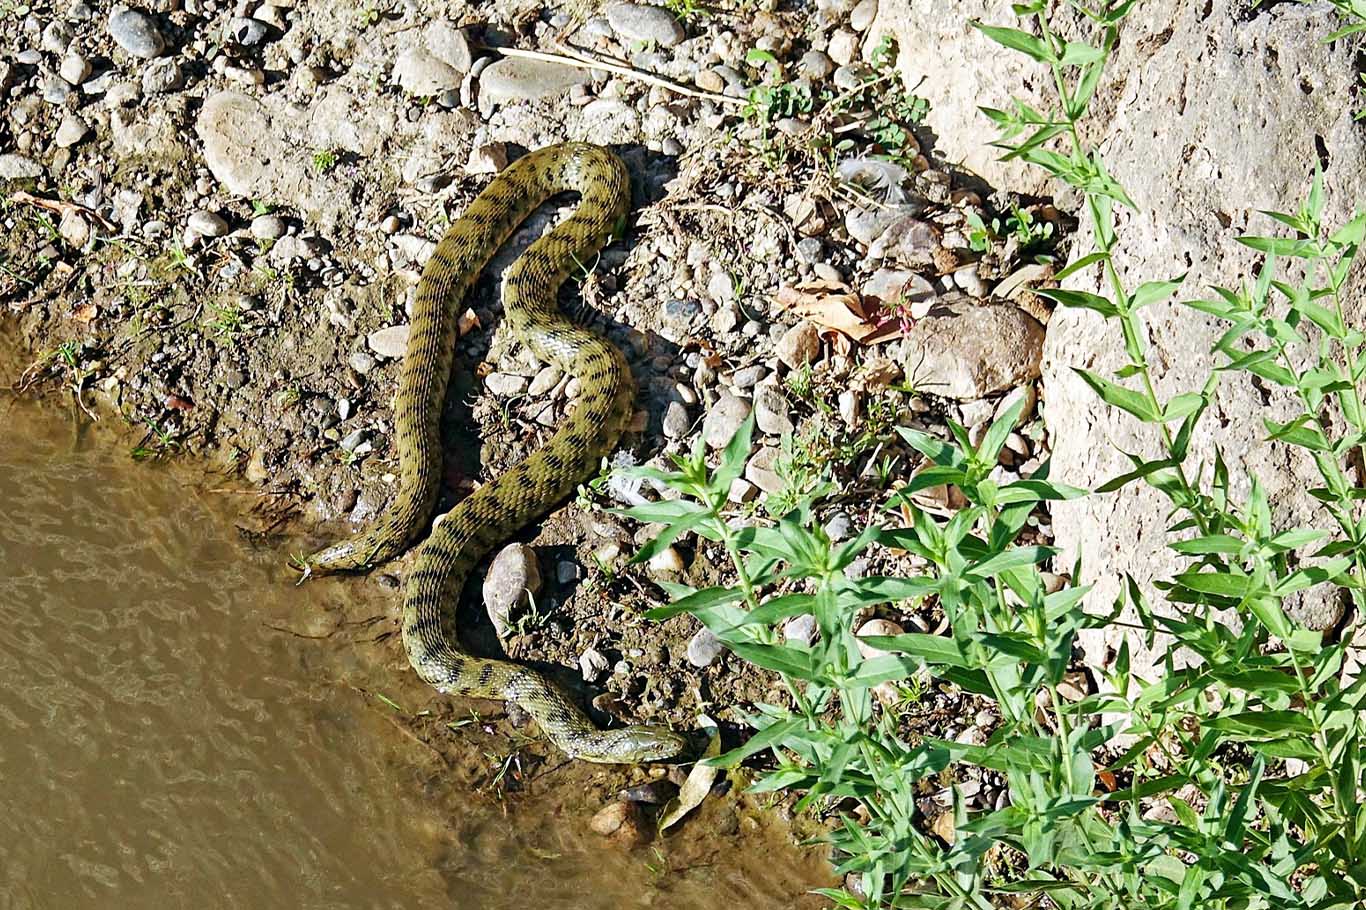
(225,320)
(1233,780)
(62,361)
(368,15)
(799,382)
(324,160)
(157,442)
(894,109)
(532,618)
(1019,223)
(686,10)
(289,397)
(774,101)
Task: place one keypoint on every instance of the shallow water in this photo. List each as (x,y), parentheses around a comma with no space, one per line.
(161,746)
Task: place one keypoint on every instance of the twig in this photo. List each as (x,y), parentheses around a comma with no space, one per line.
(586,62)
(299,634)
(57,205)
(412,734)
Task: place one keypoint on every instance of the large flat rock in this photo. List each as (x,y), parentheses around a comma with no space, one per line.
(1210,112)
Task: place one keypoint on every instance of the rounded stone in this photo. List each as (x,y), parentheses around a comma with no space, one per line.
(70,131)
(136,33)
(419,72)
(247,32)
(519,79)
(703,648)
(799,345)
(724,419)
(815,65)
(268,227)
(74,69)
(160,76)
(208,224)
(513,579)
(863,15)
(875,627)
(389,343)
(772,411)
(676,420)
(640,22)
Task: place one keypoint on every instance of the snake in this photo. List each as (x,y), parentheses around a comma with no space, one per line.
(497,510)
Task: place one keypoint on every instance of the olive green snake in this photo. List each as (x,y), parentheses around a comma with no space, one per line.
(528,490)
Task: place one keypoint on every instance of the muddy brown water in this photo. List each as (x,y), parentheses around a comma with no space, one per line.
(162,746)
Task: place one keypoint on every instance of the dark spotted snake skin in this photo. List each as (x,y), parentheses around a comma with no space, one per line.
(527,491)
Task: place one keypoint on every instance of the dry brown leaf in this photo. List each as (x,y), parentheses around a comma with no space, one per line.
(944,827)
(1020,280)
(878,372)
(699,782)
(844,317)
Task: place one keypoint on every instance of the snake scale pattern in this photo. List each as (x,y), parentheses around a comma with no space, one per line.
(528,490)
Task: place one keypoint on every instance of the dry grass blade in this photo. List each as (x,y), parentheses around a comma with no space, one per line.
(583,61)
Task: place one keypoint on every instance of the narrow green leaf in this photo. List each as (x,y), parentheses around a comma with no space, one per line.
(735,455)
(881,669)
(1298,433)
(1014,558)
(1080,300)
(1223,584)
(771,735)
(1150,292)
(703,599)
(1017,40)
(1084,262)
(1281,246)
(1214,543)
(1078,54)
(1112,393)
(778,658)
(933,649)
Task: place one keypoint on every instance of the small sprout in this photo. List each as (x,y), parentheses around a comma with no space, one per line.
(324,160)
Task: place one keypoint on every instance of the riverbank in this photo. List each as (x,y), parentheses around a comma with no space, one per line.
(217,216)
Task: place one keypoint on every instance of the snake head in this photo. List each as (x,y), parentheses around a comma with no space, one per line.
(630,745)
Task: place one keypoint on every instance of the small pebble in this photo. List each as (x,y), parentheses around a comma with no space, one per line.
(863,15)
(703,648)
(676,421)
(799,345)
(208,224)
(513,580)
(593,664)
(667,562)
(268,227)
(801,629)
(724,419)
(71,130)
(247,32)
(74,69)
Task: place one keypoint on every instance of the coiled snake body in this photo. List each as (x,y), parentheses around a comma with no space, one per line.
(528,490)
